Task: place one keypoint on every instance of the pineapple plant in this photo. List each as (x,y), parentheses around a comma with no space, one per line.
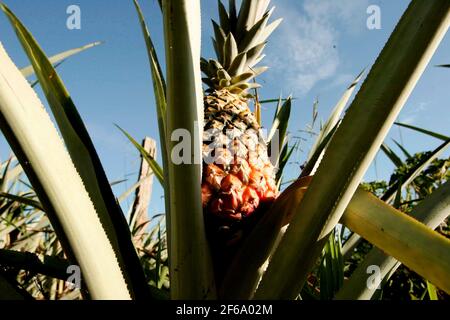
(238,177)
(237,182)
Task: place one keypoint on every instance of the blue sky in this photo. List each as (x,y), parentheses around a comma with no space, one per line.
(317,51)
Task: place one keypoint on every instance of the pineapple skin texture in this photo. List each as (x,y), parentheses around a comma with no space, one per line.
(238,176)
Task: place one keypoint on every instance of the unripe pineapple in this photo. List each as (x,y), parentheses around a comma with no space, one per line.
(238,177)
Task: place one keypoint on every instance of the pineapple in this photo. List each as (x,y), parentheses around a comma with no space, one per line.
(238,176)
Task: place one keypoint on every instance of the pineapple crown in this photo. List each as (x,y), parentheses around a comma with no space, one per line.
(239,41)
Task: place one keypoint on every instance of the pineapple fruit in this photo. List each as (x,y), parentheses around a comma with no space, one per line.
(238,176)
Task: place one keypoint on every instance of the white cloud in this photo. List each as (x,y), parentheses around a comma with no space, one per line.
(342,81)
(305,50)
(411,115)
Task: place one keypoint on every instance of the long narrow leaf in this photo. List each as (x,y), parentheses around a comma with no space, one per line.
(285,155)
(412,174)
(427,132)
(18,224)
(48,265)
(159,84)
(401,236)
(22,200)
(391,155)
(133,188)
(432,211)
(395,189)
(273,100)
(281,122)
(44,158)
(10,292)
(57,59)
(191,274)
(317,156)
(432,292)
(36,82)
(157,170)
(336,114)
(85,159)
(381,98)
(159,88)
(352,242)
(402,148)
(4,178)
(250,262)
